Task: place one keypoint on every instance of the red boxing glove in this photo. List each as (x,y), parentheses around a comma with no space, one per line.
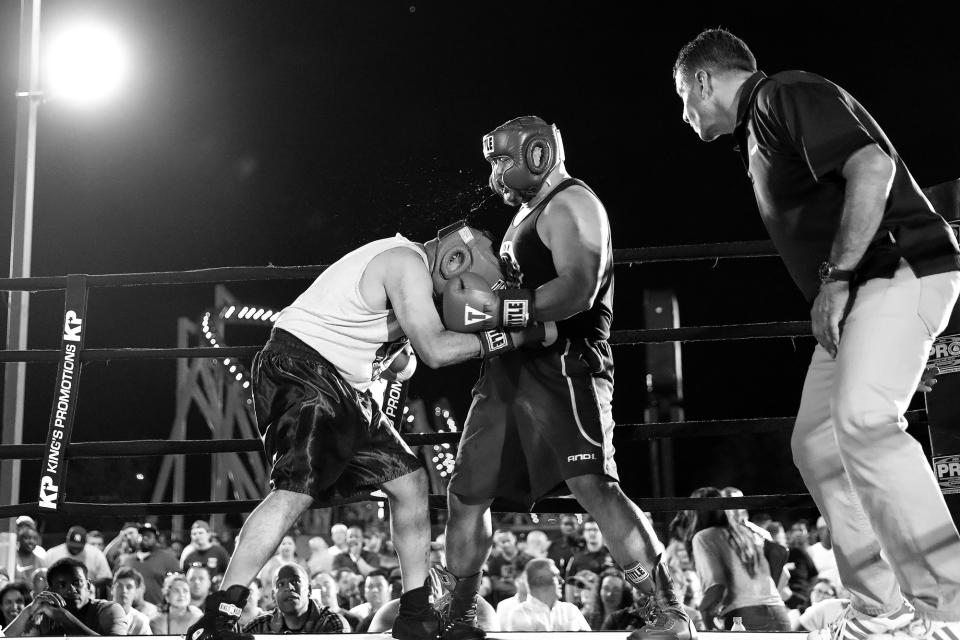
(470,307)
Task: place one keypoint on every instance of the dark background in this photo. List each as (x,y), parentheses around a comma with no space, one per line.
(289,132)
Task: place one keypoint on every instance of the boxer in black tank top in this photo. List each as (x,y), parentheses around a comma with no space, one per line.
(541,419)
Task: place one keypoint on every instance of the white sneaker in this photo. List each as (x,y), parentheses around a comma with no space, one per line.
(921,629)
(853,625)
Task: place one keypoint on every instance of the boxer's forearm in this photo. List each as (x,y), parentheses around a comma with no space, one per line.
(446,348)
(563,297)
(869,175)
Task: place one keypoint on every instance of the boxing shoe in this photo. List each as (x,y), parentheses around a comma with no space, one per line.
(417,619)
(221,612)
(458,607)
(853,625)
(923,629)
(663,611)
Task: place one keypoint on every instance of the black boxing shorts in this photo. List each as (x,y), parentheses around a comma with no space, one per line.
(322,436)
(538,417)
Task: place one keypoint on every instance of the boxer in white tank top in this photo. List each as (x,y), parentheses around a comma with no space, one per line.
(362,319)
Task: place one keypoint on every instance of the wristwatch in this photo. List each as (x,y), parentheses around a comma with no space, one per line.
(830,272)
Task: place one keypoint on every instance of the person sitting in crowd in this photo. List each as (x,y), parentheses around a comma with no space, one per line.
(176,613)
(566,544)
(286,554)
(543,610)
(583,590)
(823,556)
(355,558)
(252,608)
(67,608)
(614,595)
(826,608)
(348,588)
(733,570)
(628,618)
(594,556)
(14,597)
(536,545)
(381,545)
(777,533)
(376,592)
(203,551)
(320,558)
(504,565)
(151,562)
(95,539)
(803,571)
(176,547)
(338,540)
(198,577)
(28,522)
(296,611)
(126,542)
(507,605)
(29,558)
(126,583)
(328,592)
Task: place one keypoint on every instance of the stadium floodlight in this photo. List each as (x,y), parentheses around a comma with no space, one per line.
(86,63)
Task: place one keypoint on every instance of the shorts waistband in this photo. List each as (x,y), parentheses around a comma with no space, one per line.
(285,342)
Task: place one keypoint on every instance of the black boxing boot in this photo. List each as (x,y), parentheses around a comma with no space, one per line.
(417,619)
(222,610)
(662,609)
(458,606)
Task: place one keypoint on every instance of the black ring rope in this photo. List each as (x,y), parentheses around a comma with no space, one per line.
(790,329)
(628,431)
(743,249)
(437,501)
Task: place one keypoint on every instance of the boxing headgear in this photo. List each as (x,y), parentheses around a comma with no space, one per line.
(459,248)
(535,148)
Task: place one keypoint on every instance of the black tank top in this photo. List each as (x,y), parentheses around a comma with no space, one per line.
(523,247)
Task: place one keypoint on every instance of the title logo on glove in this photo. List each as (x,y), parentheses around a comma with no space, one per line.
(474,316)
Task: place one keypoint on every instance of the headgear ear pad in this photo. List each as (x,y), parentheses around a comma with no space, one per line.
(460,250)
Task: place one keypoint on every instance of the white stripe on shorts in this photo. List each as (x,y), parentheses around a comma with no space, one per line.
(573,398)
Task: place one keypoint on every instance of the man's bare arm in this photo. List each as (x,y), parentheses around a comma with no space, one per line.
(576,231)
(410,290)
(869,175)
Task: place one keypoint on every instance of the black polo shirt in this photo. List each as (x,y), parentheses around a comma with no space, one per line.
(795,131)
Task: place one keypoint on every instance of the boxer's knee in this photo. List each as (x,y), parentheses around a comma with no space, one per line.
(592,490)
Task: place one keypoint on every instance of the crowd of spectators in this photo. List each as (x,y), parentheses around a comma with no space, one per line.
(562,578)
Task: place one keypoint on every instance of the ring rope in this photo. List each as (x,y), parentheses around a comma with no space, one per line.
(436,501)
(628,431)
(741,249)
(712,333)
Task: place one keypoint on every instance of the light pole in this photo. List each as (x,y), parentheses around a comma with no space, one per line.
(85,65)
(28,99)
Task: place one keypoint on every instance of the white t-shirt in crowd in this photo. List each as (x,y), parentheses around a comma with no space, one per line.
(535,615)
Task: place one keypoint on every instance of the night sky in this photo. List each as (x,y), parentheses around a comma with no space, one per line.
(289,132)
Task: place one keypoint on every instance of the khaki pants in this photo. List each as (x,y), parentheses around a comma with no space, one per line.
(869,478)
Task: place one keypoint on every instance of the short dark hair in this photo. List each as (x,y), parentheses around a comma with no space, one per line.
(716,48)
(65,565)
(128,573)
(22,587)
(383,573)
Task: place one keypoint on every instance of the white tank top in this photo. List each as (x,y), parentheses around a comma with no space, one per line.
(333,318)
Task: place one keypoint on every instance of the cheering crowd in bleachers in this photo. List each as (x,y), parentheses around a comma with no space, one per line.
(556,575)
